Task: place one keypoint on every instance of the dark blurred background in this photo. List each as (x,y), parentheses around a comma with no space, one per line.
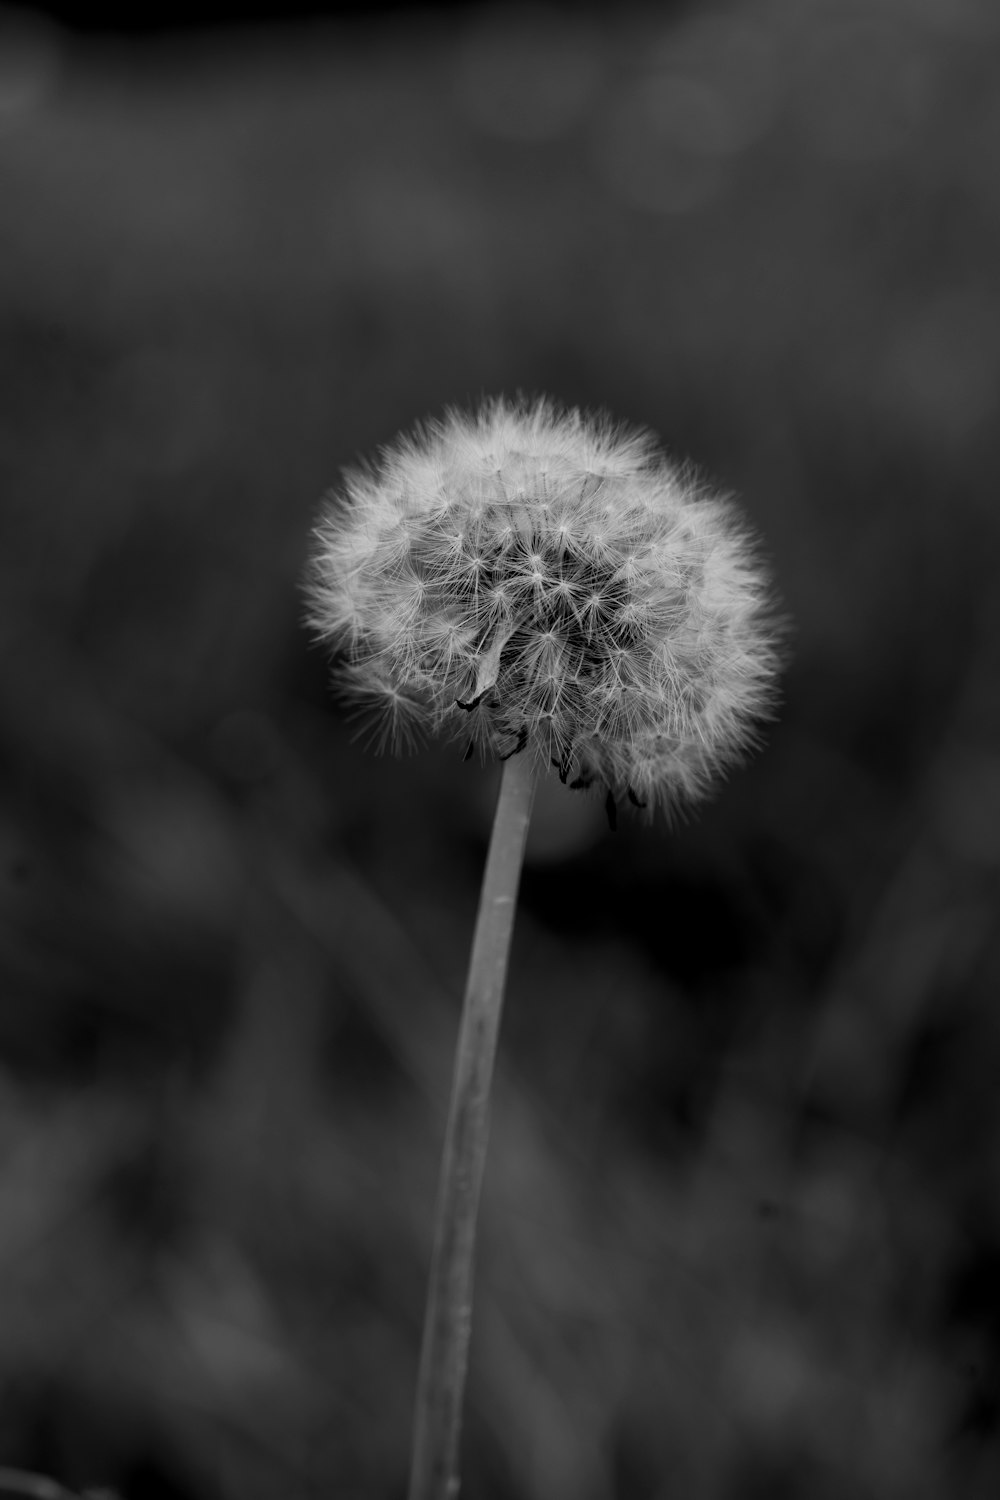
(741,1229)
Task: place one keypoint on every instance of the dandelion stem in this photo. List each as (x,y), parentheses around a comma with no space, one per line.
(444,1354)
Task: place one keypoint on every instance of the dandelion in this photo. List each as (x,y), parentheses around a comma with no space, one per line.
(526,577)
(553,590)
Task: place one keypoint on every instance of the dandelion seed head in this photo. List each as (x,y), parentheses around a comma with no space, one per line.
(526,573)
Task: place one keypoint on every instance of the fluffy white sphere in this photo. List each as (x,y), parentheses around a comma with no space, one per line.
(544,582)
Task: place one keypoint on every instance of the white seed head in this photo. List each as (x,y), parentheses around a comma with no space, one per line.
(542,581)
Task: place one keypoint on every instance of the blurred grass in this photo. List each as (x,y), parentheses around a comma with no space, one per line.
(740,1234)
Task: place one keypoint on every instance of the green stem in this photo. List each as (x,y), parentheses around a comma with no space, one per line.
(445,1350)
